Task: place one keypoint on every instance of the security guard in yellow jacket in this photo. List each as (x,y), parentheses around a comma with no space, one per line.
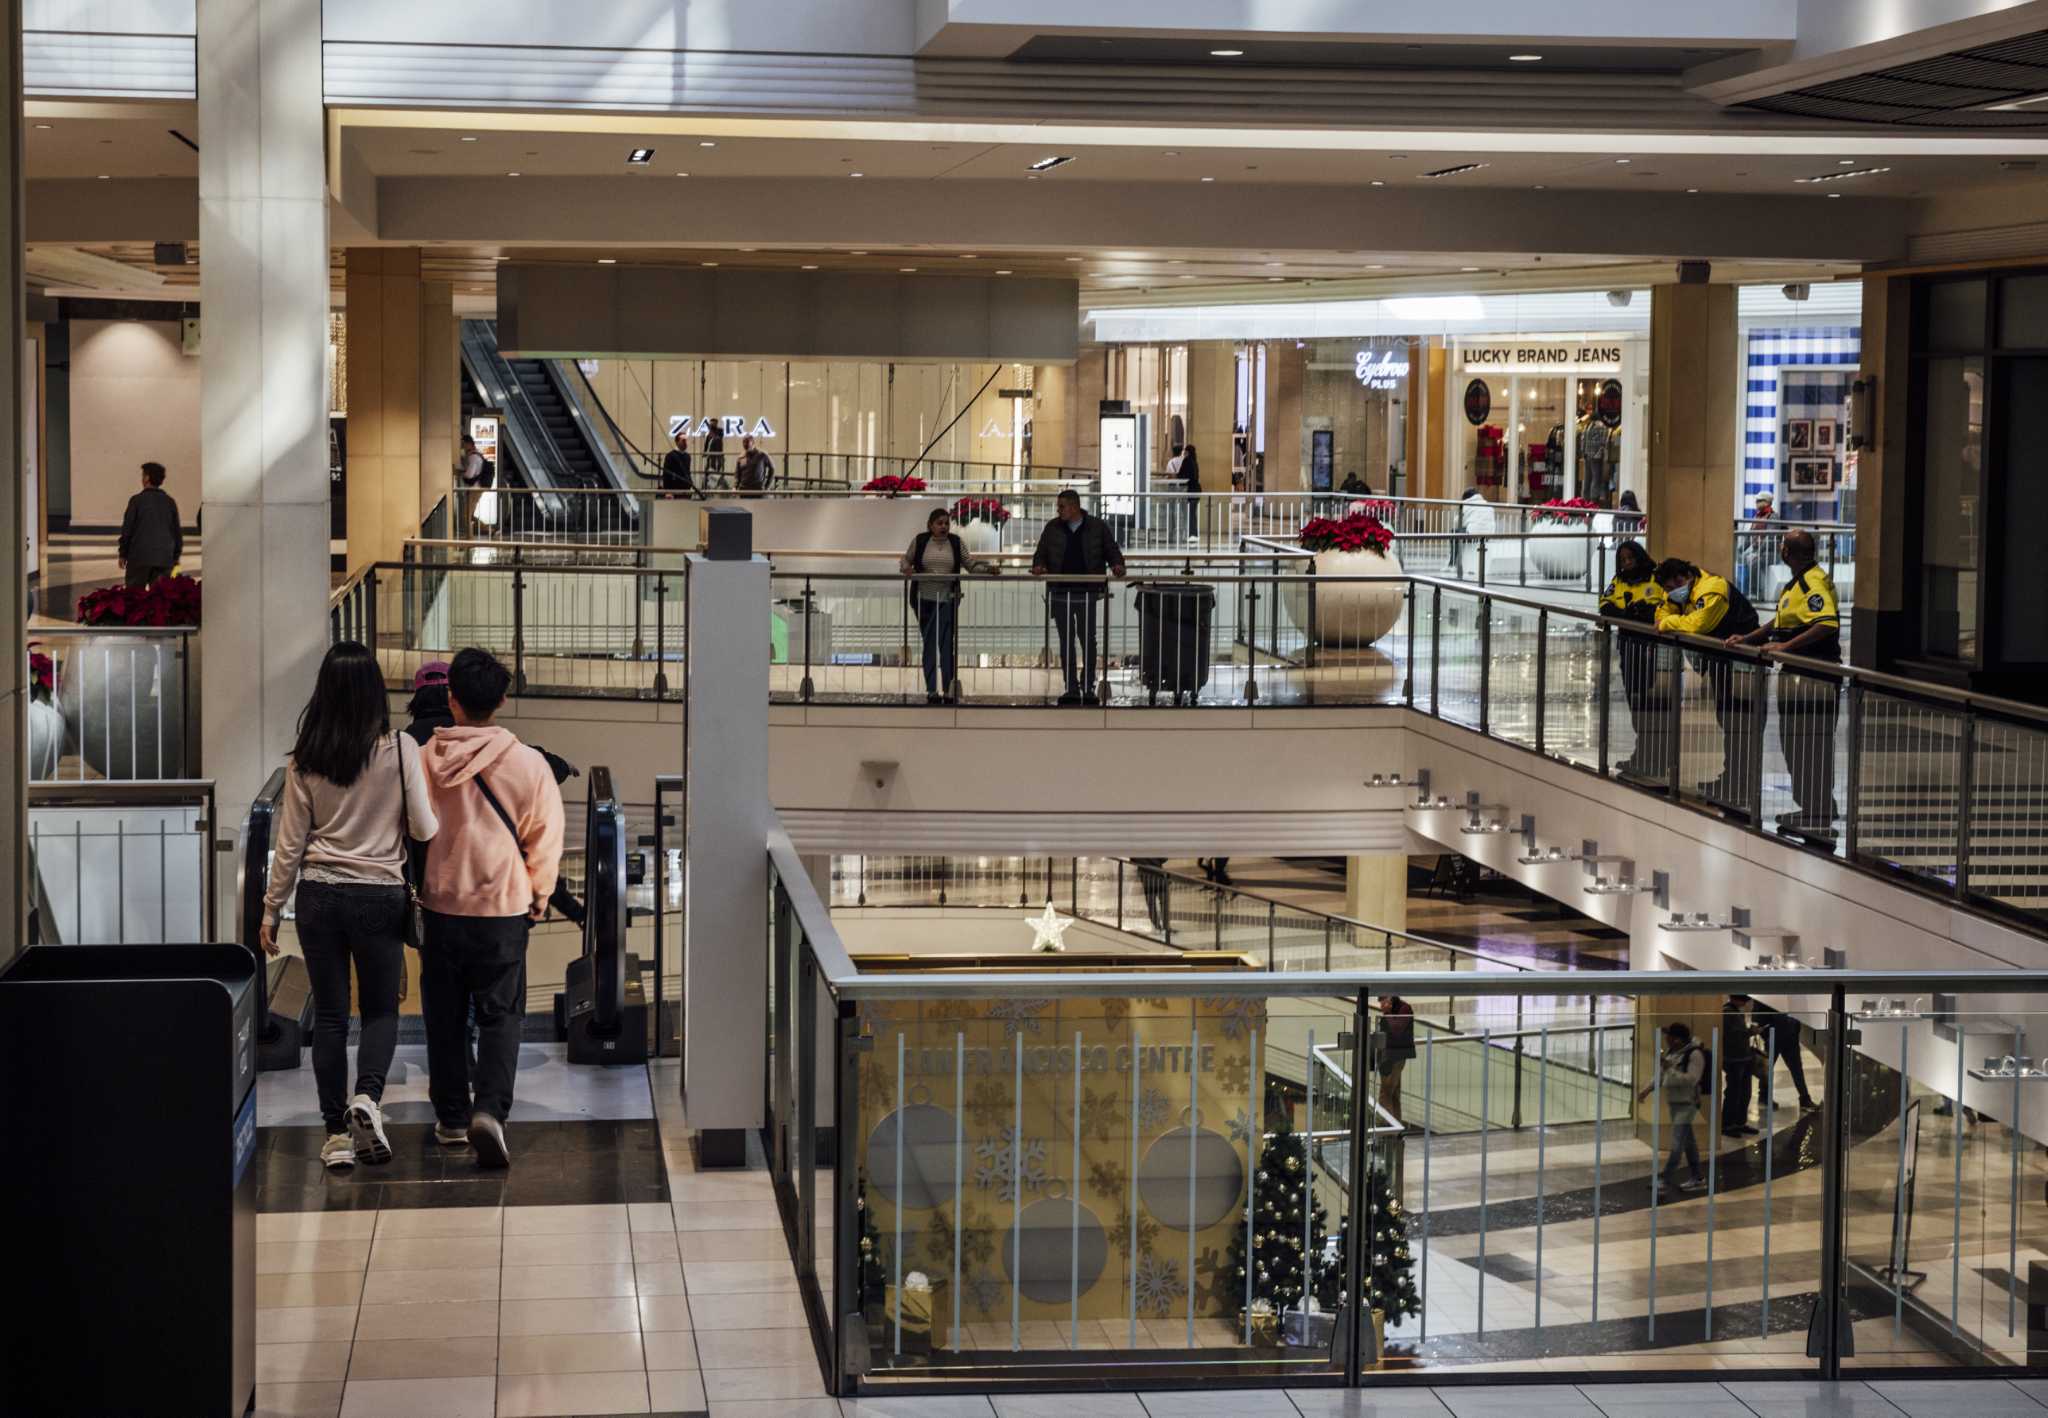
(1702,603)
(1634,596)
(1808,624)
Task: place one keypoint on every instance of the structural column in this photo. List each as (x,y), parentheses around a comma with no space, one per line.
(1286,369)
(1693,447)
(1212,415)
(1376,890)
(402,399)
(263,390)
(13,512)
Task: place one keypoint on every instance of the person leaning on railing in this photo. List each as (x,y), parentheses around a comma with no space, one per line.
(1808,623)
(1635,597)
(935,561)
(1703,603)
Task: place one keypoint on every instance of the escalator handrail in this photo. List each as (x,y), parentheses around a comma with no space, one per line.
(252,880)
(604,901)
(529,438)
(578,397)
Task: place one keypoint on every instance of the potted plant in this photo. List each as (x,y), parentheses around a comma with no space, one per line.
(893,485)
(980,520)
(126,699)
(1563,524)
(1349,615)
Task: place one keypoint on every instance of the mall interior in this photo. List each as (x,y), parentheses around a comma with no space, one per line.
(1269,933)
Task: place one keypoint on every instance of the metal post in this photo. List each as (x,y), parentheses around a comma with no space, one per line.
(1898,1262)
(1359,1231)
(846,1228)
(1771,1059)
(1599,1132)
(1955,1264)
(1408,667)
(369,615)
(1656,1190)
(1252,1143)
(1485,663)
(1826,1336)
(1542,669)
(1852,794)
(1485,1133)
(660,635)
(1428,1133)
(1603,690)
(1967,766)
(1436,645)
(2012,1264)
(518,629)
(1542,1141)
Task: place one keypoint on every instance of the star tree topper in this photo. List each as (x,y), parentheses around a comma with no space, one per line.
(1050,930)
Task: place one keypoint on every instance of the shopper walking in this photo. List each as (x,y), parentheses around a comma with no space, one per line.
(1394,1046)
(1191,484)
(353,794)
(1633,597)
(152,538)
(755,471)
(1682,1074)
(490,872)
(1738,1067)
(428,710)
(934,562)
(1152,876)
(714,455)
(1075,545)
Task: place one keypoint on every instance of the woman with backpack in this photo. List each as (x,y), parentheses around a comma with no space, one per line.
(353,793)
(1682,1072)
(935,562)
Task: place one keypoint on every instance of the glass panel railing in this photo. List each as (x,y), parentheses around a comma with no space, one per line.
(122,863)
(123,704)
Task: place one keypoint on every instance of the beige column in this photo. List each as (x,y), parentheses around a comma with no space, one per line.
(1693,448)
(1212,416)
(1286,367)
(402,399)
(13,514)
(1376,890)
(1052,416)
(1091,387)
(1882,555)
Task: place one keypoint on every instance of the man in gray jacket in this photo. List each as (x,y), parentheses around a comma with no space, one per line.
(152,539)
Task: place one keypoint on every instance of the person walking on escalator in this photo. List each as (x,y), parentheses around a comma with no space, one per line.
(1632,598)
(353,793)
(490,872)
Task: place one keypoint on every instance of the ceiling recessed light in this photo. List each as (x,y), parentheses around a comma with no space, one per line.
(469,137)
(856,253)
(706,143)
(1047,164)
(750,249)
(1523,58)
(1539,187)
(856,174)
(1468,269)
(640,157)
(969,256)
(1835,195)
(45,126)
(1208,179)
(1377,266)
(1276,263)
(607,260)
(1002,273)
(511,174)
(682,174)
(1074,258)
(810,268)
(1226,54)
(1377,183)
(1845,162)
(1174,154)
(1623,162)
(1276,278)
(1691,190)
(707,263)
(105,175)
(1184,278)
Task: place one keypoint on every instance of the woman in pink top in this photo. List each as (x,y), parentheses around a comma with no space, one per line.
(353,792)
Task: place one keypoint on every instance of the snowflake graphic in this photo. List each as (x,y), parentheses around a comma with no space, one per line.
(1152,1109)
(1209,1288)
(1120,1233)
(1241,1127)
(1106,1179)
(988,1105)
(984,1292)
(1100,1118)
(1005,1162)
(1159,1284)
(1019,1015)
(1234,1074)
(1115,1012)
(977,1241)
(1237,1015)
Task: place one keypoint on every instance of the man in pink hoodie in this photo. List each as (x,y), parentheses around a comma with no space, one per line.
(488,876)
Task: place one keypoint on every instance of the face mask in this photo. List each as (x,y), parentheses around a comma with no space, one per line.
(1679,595)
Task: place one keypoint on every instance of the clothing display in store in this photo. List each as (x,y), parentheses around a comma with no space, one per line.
(1490,456)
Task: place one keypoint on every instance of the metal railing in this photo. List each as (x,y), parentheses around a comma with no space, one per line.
(122,863)
(1759,574)
(1139,1179)
(128,700)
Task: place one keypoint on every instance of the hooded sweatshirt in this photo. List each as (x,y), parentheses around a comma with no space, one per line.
(474,868)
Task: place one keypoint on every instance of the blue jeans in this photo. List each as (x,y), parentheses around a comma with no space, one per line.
(1683,1145)
(938,622)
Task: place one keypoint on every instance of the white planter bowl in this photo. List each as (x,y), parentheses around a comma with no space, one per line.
(1557,550)
(1349,615)
(981,538)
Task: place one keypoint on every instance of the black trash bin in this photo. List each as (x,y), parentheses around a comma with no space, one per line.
(127,1143)
(1173,637)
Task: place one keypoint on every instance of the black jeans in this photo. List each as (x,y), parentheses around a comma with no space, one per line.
(1073,622)
(338,924)
(1807,710)
(1786,1039)
(1738,1076)
(1649,714)
(939,623)
(480,959)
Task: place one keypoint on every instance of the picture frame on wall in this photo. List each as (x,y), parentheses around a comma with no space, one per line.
(1811,473)
(1798,435)
(1824,431)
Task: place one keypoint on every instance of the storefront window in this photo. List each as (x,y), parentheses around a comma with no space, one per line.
(1354,424)
(1553,416)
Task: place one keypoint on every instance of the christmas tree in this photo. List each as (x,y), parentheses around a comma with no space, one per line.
(1390,1283)
(1274,1248)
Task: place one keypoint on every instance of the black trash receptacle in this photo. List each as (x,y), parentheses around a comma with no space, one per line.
(1173,637)
(127,1143)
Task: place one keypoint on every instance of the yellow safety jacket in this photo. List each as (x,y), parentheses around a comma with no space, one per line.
(1633,600)
(1712,599)
(1808,600)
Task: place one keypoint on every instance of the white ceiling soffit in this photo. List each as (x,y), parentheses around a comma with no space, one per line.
(1173,834)
(109,65)
(1469,314)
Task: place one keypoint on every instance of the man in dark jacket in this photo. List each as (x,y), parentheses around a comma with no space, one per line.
(755,471)
(1075,544)
(152,538)
(675,465)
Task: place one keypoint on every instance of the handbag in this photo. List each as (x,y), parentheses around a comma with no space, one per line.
(414,930)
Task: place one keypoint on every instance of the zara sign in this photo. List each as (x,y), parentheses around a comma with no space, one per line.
(731,425)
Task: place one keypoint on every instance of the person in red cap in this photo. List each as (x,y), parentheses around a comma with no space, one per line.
(428,708)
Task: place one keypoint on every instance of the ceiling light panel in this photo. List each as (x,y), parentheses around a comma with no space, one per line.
(1841,176)
(1047,164)
(1457,171)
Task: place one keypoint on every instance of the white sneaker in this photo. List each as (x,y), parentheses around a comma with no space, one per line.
(338,1153)
(366,1129)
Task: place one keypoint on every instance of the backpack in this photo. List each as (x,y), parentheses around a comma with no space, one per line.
(489,476)
(1707,1067)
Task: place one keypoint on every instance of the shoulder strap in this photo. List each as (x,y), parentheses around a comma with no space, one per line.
(404,816)
(924,539)
(499,808)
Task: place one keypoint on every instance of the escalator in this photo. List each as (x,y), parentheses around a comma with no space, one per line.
(551,440)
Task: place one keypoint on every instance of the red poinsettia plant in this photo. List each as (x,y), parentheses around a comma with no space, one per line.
(981,509)
(169,600)
(1558,509)
(1358,531)
(42,673)
(891,484)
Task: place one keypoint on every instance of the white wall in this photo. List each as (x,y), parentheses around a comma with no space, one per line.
(134,399)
